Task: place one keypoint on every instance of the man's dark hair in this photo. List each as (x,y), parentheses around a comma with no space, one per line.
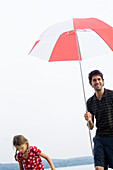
(94,73)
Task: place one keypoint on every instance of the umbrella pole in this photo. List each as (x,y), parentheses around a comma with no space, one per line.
(85,104)
(83,89)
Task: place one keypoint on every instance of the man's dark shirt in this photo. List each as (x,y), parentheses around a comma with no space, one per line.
(103,112)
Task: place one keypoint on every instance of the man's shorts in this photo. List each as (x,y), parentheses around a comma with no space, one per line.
(103,151)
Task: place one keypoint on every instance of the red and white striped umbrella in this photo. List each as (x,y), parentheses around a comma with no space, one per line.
(61,42)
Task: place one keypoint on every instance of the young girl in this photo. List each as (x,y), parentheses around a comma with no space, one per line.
(29,157)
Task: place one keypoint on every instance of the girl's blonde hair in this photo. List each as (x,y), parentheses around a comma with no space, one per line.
(19,140)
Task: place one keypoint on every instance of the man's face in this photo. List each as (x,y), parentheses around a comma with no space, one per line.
(97,82)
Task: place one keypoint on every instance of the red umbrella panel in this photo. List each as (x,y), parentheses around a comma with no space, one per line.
(60,41)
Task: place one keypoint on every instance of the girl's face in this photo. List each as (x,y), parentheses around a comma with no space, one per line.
(22,148)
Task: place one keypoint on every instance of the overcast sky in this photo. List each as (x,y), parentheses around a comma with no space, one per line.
(44,101)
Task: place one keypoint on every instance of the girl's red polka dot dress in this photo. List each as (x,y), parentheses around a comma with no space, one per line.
(33,161)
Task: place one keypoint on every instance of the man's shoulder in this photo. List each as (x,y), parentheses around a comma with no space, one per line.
(109,91)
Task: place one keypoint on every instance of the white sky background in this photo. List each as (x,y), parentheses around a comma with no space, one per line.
(44,101)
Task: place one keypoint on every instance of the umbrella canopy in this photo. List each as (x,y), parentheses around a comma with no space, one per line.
(60,41)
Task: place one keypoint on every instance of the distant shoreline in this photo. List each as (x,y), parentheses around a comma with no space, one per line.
(57,162)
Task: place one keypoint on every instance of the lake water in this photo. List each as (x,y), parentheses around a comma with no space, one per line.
(82,167)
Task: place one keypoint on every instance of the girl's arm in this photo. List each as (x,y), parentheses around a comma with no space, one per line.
(21,166)
(48,160)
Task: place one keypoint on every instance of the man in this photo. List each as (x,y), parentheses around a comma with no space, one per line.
(100,106)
